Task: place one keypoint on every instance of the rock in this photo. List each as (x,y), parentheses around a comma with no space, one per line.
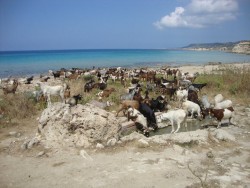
(247,109)
(111,142)
(40,154)
(210,154)
(160,139)
(28,144)
(25,145)
(143,143)
(191,137)
(99,146)
(242,47)
(127,127)
(223,135)
(34,141)
(80,125)
(132,136)
(178,149)
(12,133)
(85,155)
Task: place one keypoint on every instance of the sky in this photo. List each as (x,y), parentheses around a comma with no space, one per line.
(120,24)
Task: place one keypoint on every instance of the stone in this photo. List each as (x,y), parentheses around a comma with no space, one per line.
(99,146)
(223,135)
(210,154)
(12,133)
(79,126)
(178,149)
(40,154)
(85,155)
(143,143)
(34,141)
(111,142)
(247,109)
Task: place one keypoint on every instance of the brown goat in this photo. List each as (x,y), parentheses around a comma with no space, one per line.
(74,76)
(66,94)
(106,92)
(126,103)
(10,89)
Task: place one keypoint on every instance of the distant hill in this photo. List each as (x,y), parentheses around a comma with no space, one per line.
(235,47)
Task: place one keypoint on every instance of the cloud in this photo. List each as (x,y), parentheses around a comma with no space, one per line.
(200,13)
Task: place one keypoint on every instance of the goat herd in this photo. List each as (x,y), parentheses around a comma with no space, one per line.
(136,103)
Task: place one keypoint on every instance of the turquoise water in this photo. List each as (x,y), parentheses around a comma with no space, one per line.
(36,62)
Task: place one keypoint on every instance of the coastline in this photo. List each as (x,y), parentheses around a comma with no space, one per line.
(191,68)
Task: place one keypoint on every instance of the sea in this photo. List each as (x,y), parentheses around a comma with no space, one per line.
(27,63)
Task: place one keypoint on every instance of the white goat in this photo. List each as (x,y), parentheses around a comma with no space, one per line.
(191,107)
(139,119)
(132,112)
(205,102)
(223,105)
(53,90)
(181,95)
(218,98)
(175,117)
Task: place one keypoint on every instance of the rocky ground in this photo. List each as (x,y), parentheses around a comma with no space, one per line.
(209,157)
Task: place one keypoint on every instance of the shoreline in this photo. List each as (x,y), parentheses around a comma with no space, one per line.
(188,67)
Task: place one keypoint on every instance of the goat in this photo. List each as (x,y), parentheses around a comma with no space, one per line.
(44,79)
(223,105)
(205,102)
(193,96)
(149,114)
(139,119)
(175,117)
(128,96)
(74,76)
(127,103)
(184,83)
(181,94)
(192,107)
(221,114)
(88,86)
(199,86)
(218,98)
(106,92)
(53,90)
(73,100)
(67,93)
(157,104)
(10,89)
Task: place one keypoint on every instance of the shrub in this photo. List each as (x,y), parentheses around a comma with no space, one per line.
(17,106)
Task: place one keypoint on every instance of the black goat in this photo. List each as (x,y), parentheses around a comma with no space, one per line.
(73,100)
(28,80)
(199,86)
(149,114)
(88,86)
(158,104)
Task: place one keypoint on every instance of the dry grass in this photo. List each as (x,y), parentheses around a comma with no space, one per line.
(232,82)
(18,107)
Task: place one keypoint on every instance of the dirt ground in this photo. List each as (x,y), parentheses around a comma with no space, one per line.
(215,164)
